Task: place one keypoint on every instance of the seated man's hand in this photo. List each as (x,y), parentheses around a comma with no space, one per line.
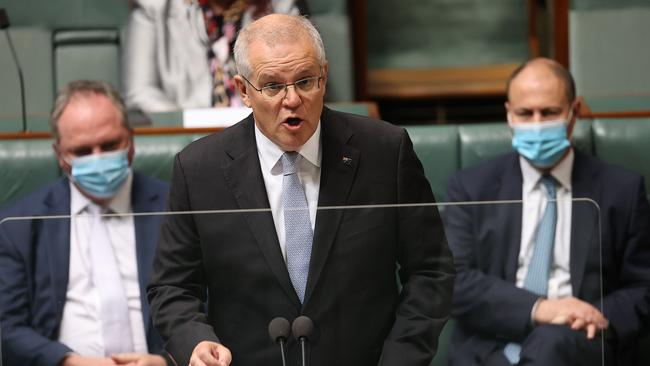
(139,359)
(571,311)
(78,360)
(210,354)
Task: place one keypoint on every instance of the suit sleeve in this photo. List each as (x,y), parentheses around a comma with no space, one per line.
(628,308)
(426,269)
(483,303)
(21,343)
(177,291)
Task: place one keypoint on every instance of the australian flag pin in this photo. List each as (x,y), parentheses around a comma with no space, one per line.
(346,160)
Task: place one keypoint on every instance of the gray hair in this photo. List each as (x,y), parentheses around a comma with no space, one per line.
(289,30)
(81,88)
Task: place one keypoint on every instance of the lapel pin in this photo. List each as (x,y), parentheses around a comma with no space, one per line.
(347,160)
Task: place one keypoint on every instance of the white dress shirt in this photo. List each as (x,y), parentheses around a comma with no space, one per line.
(534,203)
(81,327)
(308,170)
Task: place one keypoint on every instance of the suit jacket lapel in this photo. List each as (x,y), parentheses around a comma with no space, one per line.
(55,241)
(584,220)
(244,178)
(338,168)
(146,230)
(509,214)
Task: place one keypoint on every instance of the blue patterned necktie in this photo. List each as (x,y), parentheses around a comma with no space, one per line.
(539,267)
(297,226)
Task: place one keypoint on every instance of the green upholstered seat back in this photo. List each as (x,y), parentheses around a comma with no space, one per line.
(154,155)
(482,142)
(29,164)
(624,142)
(87,54)
(26,165)
(437,149)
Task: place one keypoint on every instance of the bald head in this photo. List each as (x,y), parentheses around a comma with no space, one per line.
(274,29)
(544,67)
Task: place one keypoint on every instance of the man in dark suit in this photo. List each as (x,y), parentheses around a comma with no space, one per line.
(254,265)
(55,305)
(594,285)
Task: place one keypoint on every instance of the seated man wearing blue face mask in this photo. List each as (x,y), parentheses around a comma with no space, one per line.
(72,290)
(530,289)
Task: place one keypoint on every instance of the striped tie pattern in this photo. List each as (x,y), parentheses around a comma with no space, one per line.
(540,264)
(297,226)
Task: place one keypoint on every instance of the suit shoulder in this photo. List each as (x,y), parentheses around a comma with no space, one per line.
(217,141)
(367,133)
(362,124)
(151,182)
(34,202)
(619,178)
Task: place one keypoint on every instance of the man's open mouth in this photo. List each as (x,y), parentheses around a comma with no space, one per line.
(293,121)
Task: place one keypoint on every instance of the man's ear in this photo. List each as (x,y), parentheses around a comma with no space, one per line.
(241,85)
(325,75)
(508,113)
(574,112)
(131,152)
(65,167)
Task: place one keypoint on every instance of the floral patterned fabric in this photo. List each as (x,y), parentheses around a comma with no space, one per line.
(222,30)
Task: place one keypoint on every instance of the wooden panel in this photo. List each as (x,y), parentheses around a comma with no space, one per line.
(561,31)
(137,131)
(442,82)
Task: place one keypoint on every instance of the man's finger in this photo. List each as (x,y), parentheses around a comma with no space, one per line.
(591,331)
(122,358)
(578,324)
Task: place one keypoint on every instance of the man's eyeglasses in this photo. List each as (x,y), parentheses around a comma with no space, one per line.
(273,89)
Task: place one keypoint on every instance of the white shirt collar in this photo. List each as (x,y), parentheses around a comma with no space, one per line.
(271,153)
(561,172)
(120,203)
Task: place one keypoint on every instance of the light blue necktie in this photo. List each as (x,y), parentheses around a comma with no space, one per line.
(297,226)
(540,264)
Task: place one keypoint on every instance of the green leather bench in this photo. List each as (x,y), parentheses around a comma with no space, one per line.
(447,148)
(27,164)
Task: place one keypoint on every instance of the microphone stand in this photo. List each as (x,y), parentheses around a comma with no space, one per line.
(282,351)
(4,24)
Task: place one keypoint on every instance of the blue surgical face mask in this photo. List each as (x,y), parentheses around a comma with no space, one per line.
(542,143)
(101,175)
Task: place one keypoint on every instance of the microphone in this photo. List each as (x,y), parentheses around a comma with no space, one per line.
(302,329)
(4,24)
(279,332)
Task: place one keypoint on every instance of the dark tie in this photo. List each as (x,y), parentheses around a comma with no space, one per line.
(297,226)
(540,264)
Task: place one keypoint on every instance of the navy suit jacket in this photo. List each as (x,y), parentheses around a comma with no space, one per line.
(485,240)
(34,258)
